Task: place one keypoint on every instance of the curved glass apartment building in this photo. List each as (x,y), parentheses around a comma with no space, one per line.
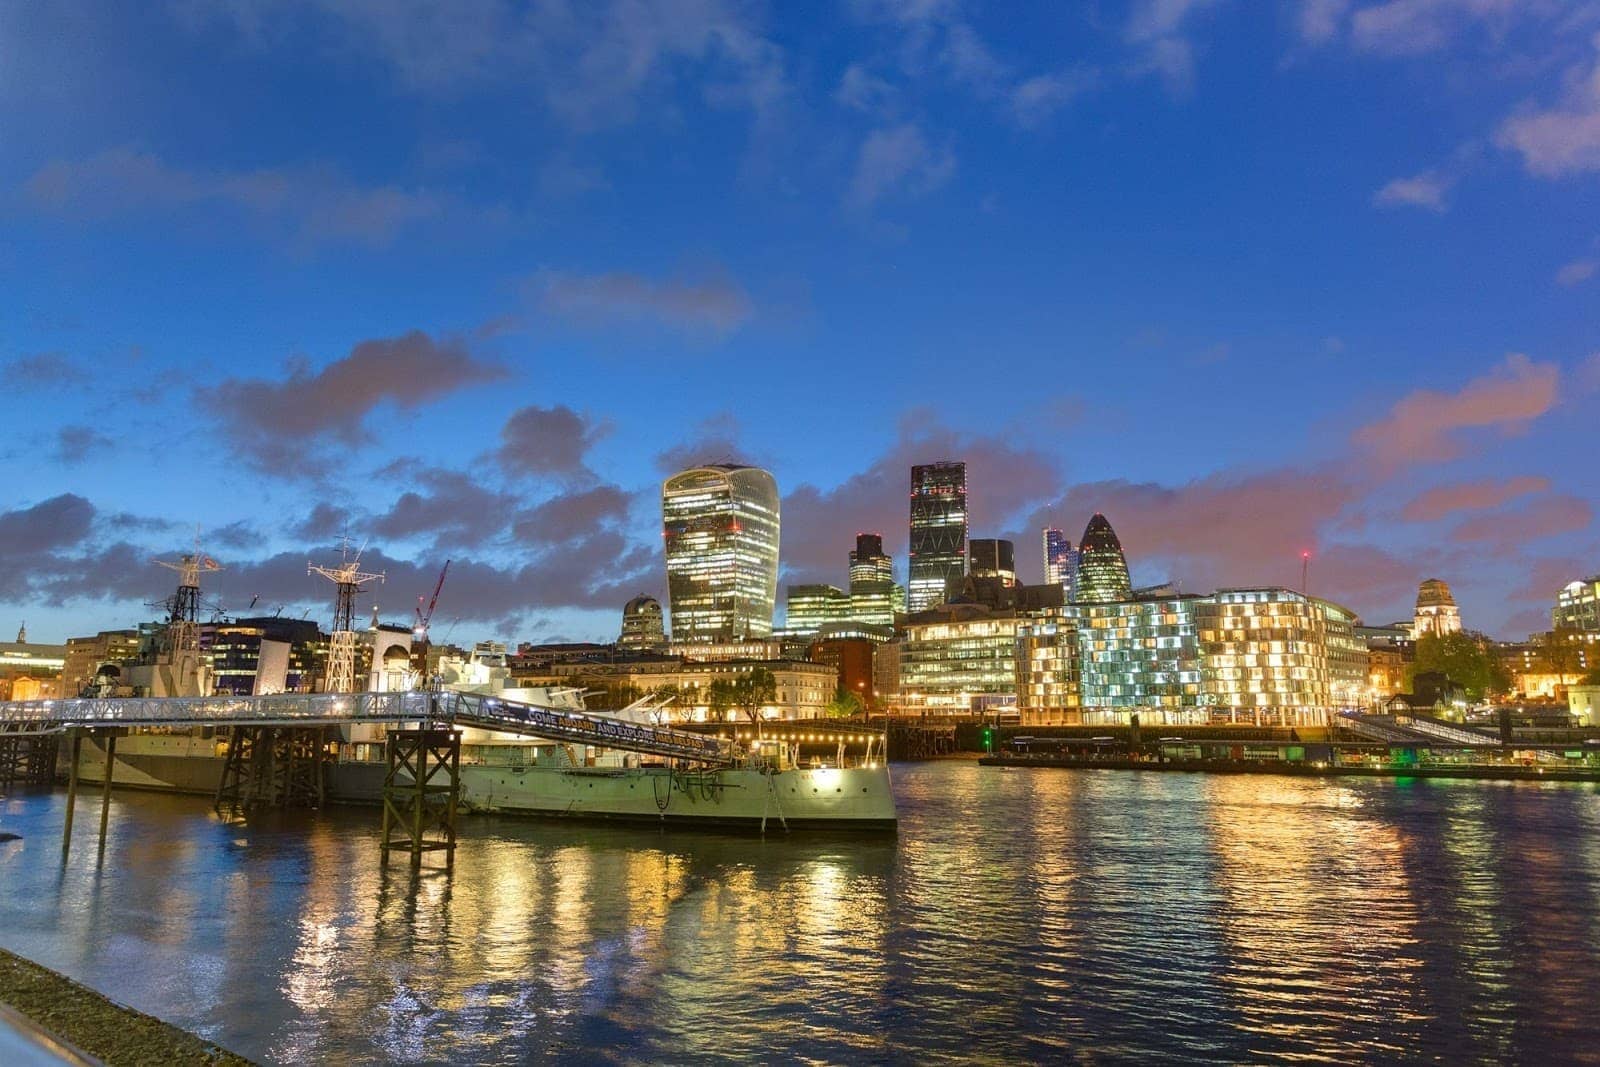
(719,526)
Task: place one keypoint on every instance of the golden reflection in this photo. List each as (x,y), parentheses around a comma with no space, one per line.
(1316,908)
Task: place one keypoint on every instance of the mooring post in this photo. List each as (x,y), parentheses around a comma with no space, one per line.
(72,790)
(110,747)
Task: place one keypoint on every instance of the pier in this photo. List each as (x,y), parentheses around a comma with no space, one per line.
(278,746)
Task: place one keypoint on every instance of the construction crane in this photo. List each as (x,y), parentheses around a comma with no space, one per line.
(419,629)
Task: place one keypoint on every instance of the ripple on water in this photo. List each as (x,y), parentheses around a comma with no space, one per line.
(1019,915)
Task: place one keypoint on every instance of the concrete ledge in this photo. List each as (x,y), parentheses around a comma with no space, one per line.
(54,1019)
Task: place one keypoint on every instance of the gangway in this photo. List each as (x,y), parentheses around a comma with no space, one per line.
(439,709)
(279,745)
(1413,730)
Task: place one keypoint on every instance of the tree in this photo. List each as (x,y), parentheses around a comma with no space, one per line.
(1558,649)
(748,692)
(844,705)
(1464,659)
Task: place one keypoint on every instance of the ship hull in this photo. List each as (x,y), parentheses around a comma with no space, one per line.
(855,799)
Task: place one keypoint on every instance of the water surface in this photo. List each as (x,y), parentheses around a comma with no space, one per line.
(1020,913)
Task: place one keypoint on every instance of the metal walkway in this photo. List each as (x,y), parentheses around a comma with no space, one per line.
(339,709)
(1415,730)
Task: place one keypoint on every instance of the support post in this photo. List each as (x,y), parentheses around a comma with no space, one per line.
(419,814)
(110,746)
(72,789)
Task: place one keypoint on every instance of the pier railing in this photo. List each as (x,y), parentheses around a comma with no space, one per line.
(398,709)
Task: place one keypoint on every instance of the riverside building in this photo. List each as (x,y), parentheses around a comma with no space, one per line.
(957,657)
(1269,655)
(938,531)
(1578,606)
(720,525)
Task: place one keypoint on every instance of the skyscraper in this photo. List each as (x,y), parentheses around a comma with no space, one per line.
(720,527)
(938,531)
(1102,570)
(1057,550)
(990,557)
(874,597)
(811,607)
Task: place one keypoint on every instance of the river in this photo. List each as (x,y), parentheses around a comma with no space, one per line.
(1019,914)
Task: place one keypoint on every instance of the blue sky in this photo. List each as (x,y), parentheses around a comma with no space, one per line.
(466,280)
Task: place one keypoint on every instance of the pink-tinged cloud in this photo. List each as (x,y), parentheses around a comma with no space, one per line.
(1445,500)
(277,424)
(1428,425)
(1548,516)
(1221,530)
(820,523)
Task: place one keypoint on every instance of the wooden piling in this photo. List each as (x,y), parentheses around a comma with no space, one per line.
(72,789)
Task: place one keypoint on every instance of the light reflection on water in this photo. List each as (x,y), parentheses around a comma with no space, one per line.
(1020,914)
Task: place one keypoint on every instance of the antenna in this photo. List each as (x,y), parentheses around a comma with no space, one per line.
(181,639)
(1305,571)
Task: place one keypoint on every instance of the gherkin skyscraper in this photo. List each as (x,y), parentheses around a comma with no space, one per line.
(1102,570)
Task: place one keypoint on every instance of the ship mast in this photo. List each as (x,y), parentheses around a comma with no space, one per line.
(348,578)
(181,642)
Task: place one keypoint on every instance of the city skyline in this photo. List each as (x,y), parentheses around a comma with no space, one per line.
(743,234)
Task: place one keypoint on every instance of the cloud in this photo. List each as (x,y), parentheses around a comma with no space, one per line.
(1156,29)
(1425,190)
(1038,99)
(314,204)
(1564,140)
(1577,272)
(547,441)
(1319,20)
(1428,425)
(573,516)
(50,525)
(1445,500)
(1400,27)
(591,64)
(715,305)
(714,440)
(277,424)
(898,159)
(864,91)
(451,505)
(820,522)
(74,444)
(1231,528)
(1548,516)
(323,523)
(42,370)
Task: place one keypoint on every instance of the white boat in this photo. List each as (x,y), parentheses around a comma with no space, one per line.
(775,787)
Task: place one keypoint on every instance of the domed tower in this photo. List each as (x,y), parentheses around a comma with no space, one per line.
(641,625)
(1102,570)
(1437,614)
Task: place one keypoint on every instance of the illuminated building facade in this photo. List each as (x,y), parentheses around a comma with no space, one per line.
(86,655)
(1102,570)
(1578,606)
(874,595)
(643,629)
(1270,655)
(938,531)
(1436,614)
(31,671)
(811,607)
(1047,672)
(989,557)
(954,657)
(720,525)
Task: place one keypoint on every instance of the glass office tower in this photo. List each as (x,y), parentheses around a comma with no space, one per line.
(1102,570)
(938,531)
(720,528)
